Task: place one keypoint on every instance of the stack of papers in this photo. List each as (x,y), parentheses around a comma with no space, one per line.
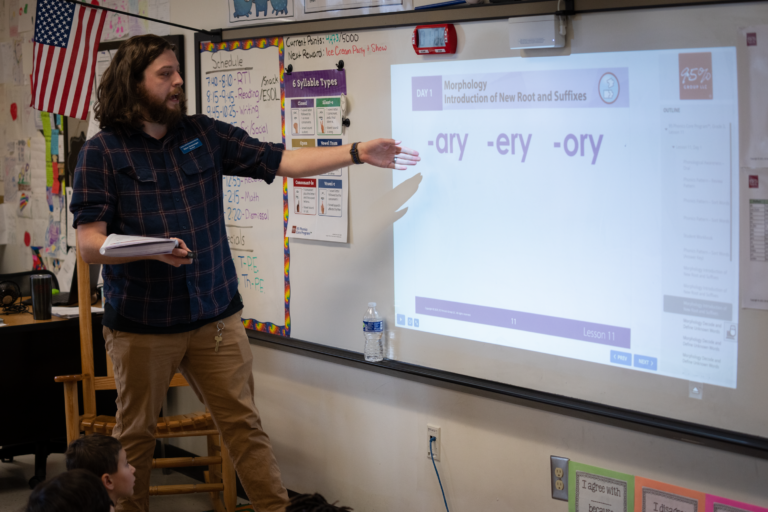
(121,246)
(73,312)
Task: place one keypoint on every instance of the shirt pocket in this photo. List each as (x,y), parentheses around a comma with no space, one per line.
(198,179)
(136,186)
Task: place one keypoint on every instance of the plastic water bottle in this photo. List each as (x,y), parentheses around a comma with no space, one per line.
(373,327)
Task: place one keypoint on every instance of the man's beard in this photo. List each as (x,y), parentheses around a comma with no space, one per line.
(156,111)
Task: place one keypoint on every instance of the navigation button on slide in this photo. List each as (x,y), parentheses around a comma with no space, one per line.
(624,358)
(647,363)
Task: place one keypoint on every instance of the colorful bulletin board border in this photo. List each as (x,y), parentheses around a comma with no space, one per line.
(574,467)
(648,492)
(247,44)
(718,504)
(646,495)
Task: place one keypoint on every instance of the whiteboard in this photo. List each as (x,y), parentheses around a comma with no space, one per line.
(331,284)
(241,85)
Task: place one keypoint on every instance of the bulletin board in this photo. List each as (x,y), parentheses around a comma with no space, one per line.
(241,83)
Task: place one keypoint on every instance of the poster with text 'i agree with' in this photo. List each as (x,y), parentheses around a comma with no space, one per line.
(593,489)
(318,206)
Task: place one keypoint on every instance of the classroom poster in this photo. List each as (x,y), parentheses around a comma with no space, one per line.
(3,19)
(242,86)
(121,26)
(13,18)
(3,226)
(752,50)
(331,8)
(242,12)
(239,12)
(719,504)
(103,59)
(27,10)
(653,496)
(315,102)
(593,489)
(754,291)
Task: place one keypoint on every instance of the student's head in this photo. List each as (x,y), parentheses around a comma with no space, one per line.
(142,83)
(74,491)
(105,457)
(313,503)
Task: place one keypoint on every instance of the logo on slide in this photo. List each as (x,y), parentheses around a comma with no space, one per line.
(753,181)
(695,76)
(752,39)
(609,88)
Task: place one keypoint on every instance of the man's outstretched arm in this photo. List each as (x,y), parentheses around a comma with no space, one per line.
(386,153)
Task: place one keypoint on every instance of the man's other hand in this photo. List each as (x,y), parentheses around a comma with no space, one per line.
(178,257)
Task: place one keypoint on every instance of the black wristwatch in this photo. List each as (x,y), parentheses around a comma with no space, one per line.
(355,154)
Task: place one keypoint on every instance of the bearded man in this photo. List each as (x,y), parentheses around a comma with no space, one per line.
(155,171)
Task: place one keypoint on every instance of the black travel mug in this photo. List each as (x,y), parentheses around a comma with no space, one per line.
(42,296)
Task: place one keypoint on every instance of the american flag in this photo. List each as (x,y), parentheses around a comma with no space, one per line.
(66,42)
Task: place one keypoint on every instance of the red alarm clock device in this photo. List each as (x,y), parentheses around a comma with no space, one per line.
(429,39)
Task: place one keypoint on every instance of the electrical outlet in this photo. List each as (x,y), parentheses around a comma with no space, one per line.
(559,475)
(433,431)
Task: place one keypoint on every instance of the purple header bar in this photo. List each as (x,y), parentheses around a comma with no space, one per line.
(529,322)
(306,84)
(566,88)
(309,103)
(427,93)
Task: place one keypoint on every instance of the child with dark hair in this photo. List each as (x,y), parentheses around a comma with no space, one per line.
(105,457)
(74,491)
(313,503)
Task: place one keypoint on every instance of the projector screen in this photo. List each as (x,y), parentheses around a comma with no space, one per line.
(578,219)
(582,206)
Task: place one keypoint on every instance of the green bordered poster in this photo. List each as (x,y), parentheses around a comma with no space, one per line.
(593,489)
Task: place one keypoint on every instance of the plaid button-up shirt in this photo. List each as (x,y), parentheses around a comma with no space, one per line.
(142,186)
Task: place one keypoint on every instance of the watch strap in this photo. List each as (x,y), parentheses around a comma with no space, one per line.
(355,154)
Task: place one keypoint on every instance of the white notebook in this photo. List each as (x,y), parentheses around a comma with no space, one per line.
(118,246)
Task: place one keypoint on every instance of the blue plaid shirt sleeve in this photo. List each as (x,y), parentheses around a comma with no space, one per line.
(247,157)
(94,198)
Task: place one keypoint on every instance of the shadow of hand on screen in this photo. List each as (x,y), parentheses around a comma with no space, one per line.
(387,210)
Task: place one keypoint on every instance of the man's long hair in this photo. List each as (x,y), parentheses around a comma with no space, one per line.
(118,98)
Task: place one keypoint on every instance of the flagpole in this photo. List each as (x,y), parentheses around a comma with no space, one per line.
(142,17)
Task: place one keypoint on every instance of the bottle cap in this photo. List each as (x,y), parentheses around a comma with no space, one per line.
(371,304)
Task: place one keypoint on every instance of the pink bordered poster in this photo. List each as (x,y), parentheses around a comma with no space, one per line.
(718,504)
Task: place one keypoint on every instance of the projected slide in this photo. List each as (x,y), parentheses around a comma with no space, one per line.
(582,206)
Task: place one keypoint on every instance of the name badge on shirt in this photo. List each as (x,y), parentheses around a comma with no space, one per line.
(189,146)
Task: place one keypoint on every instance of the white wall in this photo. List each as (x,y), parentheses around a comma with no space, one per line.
(15,258)
(360,437)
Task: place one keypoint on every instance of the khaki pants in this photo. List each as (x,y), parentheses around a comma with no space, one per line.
(223,381)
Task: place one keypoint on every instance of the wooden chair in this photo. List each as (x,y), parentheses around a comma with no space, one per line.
(220,477)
